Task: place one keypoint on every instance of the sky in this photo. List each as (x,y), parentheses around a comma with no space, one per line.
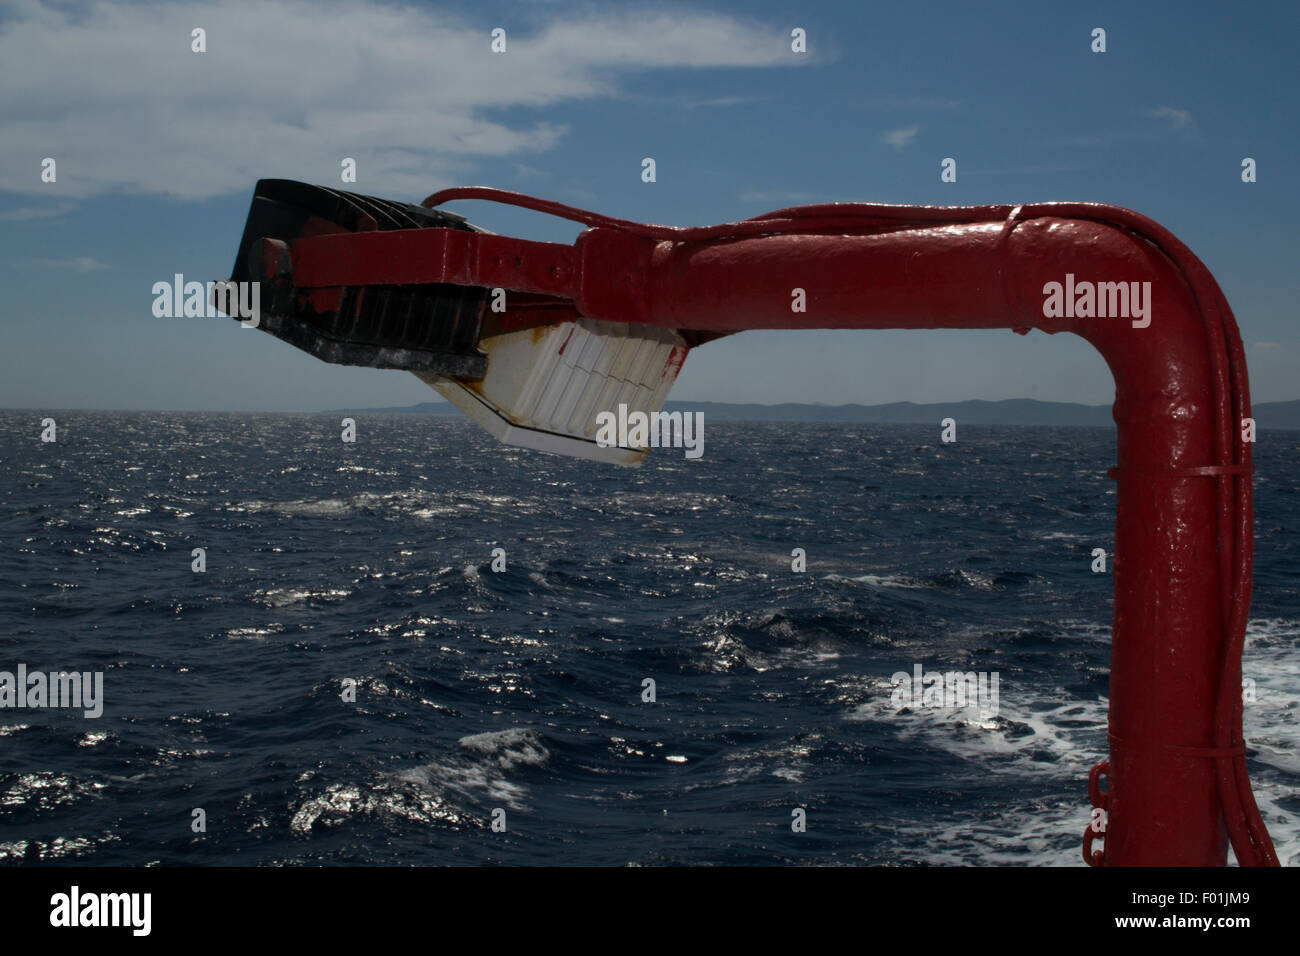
(157,149)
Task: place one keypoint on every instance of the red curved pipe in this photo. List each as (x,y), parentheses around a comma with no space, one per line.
(1178,789)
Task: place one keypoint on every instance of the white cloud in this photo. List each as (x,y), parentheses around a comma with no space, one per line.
(721,101)
(524,171)
(898,138)
(289,88)
(78,264)
(1178,119)
(29,213)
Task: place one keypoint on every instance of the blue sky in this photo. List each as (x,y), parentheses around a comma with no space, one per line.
(158,149)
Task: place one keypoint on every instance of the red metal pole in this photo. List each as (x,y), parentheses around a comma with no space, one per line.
(1177,787)
(1168,638)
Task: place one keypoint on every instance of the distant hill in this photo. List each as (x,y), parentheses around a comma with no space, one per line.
(1277,414)
(424,408)
(1012,411)
(1015,411)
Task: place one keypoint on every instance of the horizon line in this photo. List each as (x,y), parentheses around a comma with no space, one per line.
(374,408)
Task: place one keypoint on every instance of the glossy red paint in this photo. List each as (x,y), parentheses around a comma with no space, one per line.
(1177,791)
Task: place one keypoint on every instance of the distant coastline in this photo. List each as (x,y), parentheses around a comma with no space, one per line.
(1013,411)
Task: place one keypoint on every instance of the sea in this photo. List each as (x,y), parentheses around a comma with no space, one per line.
(422,647)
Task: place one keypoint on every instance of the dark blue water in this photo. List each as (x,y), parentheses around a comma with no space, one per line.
(522,691)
